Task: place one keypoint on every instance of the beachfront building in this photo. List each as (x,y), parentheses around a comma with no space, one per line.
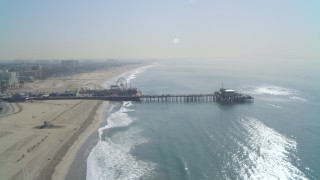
(8,79)
(31,72)
(70,64)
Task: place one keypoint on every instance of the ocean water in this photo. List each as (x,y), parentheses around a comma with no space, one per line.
(276,137)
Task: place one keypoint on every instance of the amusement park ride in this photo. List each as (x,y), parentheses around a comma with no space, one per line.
(119,89)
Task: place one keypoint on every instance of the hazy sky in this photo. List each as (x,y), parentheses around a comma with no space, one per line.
(59,29)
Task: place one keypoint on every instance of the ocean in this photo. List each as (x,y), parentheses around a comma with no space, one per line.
(275,137)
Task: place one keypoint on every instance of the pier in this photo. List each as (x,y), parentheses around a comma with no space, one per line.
(148,98)
(179,98)
(121,92)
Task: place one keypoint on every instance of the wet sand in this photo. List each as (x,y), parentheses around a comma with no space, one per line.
(27,152)
(78,168)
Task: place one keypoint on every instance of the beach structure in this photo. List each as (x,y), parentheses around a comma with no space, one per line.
(8,79)
(30,72)
(70,64)
(231,96)
(223,96)
(122,92)
(120,89)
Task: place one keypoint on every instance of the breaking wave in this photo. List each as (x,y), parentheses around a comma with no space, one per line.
(128,76)
(267,89)
(134,74)
(297,98)
(111,158)
(275,106)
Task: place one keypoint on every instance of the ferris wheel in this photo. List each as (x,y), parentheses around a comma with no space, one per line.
(122,83)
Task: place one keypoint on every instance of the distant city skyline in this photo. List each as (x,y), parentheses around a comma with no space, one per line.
(142,29)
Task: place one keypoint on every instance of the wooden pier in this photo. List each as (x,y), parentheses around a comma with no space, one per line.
(103,98)
(179,98)
(142,98)
(121,92)
(132,94)
(149,98)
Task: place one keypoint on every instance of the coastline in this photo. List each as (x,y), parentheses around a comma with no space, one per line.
(67,157)
(61,170)
(28,152)
(77,167)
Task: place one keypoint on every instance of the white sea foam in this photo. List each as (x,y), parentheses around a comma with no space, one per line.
(127,104)
(111,158)
(273,105)
(117,119)
(186,168)
(297,98)
(274,90)
(270,90)
(128,75)
(266,153)
(134,74)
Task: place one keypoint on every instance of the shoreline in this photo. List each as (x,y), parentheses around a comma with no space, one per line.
(78,167)
(67,165)
(28,152)
(56,168)
(95,120)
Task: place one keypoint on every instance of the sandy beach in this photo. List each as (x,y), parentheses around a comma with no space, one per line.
(27,152)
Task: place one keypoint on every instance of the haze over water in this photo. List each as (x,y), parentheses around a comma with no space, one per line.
(276,137)
(159,29)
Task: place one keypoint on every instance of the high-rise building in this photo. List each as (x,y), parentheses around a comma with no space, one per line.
(8,79)
(71,64)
